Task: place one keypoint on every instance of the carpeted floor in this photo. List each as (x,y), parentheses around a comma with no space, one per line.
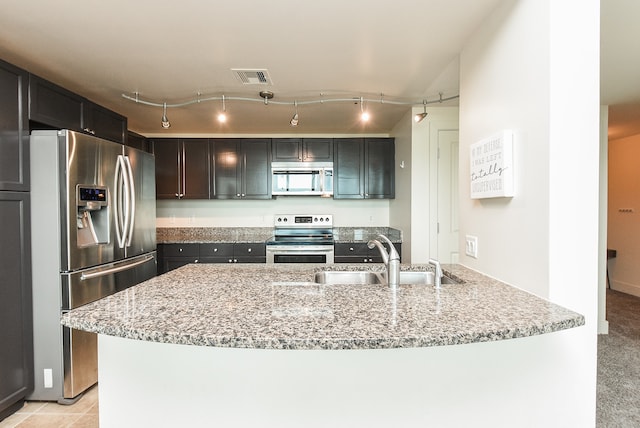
(618,391)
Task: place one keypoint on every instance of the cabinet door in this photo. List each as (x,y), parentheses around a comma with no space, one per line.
(16,336)
(103,123)
(249,253)
(14,129)
(287,149)
(167,153)
(256,176)
(53,105)
(380,168)
(226,175)
(317,149)
(194,168)
(216,252)
(348,168)
(173,256)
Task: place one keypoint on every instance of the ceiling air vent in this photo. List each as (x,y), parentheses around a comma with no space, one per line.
(252,77)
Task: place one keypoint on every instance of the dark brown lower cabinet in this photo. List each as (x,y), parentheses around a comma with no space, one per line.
(173,256)
(358,252)
(16,334)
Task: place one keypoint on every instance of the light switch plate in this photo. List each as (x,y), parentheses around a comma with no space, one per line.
(471,246)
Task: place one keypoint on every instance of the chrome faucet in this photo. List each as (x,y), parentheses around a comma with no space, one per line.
(438,272)
(390,259)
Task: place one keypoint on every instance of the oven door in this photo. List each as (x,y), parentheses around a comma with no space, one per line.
(300,254)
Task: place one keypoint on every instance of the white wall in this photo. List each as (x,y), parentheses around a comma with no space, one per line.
(400,215)
(255,213)
(524,71)
(414,210)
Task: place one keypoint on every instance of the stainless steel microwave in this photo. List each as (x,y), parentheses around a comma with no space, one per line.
(302,178)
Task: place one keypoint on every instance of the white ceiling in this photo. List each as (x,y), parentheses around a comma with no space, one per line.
(401,50)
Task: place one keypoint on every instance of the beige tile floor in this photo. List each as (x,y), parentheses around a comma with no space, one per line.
(36,414)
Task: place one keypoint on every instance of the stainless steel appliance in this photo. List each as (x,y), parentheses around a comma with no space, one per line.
(93,232)
(301,239)
(302,178)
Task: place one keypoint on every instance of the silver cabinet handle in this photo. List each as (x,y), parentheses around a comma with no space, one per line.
(215,250)
(249,250)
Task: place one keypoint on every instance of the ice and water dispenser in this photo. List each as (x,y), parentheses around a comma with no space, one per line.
(92,215)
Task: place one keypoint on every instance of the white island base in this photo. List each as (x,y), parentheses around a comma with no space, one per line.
(525,382)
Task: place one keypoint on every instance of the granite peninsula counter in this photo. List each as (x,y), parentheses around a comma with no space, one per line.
(278,307)
(262,345)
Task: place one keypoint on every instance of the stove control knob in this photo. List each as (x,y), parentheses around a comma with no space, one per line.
(327,219)
(285,220)
(279,219)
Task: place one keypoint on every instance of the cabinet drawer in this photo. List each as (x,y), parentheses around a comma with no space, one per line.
(250,249)
(216,250)
(181,250)
(352,249)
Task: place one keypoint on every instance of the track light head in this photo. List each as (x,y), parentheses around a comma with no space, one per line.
(420,116)
(364,115)
(165,121)
(222,117)
(294,120)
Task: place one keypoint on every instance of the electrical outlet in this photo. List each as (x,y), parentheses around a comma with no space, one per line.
(471,246)
(48,378)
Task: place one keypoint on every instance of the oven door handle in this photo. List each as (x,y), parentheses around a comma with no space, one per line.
(298,249)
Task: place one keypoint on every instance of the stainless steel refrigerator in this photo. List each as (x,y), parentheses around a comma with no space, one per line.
(93,234)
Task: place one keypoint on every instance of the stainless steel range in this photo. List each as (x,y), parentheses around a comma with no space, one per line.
(301,239)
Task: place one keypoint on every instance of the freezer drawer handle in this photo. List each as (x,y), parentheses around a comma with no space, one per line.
(113,270)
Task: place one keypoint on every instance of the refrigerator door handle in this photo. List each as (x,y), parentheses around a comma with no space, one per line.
(122,201)
(115,269)
(132,200)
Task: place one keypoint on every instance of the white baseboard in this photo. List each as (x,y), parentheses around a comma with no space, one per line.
(626,287)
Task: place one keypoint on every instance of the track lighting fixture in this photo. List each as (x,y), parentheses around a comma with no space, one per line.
(420,116)
(267,96)
(294,119)
(165,122)
(222,117)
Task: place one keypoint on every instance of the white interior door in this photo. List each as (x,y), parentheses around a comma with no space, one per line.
(448,148)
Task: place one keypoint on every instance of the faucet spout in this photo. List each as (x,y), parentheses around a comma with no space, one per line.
(391,260)
(438,272)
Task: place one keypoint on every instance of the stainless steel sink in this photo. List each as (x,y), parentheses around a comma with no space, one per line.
(368,277)
(423,278)
(349,277)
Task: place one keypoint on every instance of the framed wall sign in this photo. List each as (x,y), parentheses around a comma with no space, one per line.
(492,166)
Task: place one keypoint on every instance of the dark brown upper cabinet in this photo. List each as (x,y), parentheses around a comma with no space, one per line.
(182,168)
(302,149)
(58,108)
(14,128)
(241,168)
(364,168)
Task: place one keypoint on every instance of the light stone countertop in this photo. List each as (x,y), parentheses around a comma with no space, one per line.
(278,307)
